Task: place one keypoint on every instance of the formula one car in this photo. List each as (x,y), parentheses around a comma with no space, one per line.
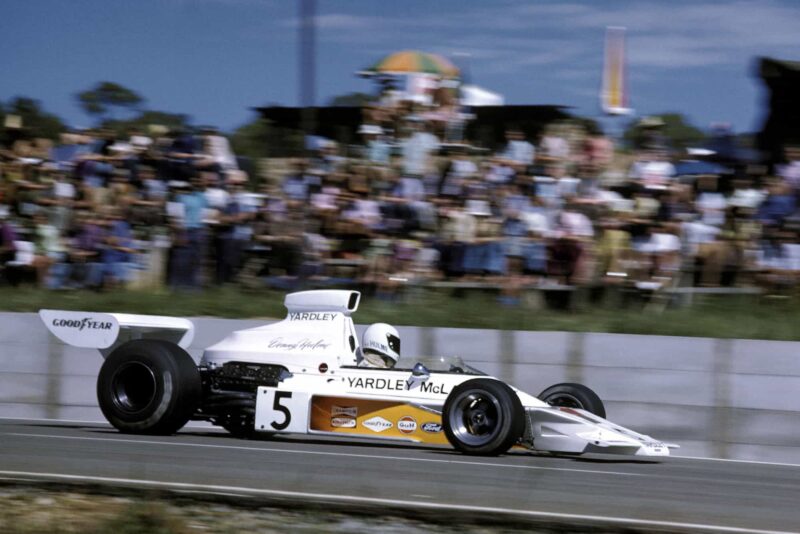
(302,375)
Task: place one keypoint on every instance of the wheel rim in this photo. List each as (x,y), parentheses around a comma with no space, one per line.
(564,399)
(133,387)
(475,417)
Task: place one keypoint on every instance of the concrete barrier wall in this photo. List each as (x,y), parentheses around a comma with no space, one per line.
(720,398)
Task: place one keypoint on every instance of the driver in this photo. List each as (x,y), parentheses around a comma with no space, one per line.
(380,346)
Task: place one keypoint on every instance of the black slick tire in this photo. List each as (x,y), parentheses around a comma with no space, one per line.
(149,386)
(483,416)
(574,396)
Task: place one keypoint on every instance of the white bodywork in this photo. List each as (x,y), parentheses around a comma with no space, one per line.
(318,345)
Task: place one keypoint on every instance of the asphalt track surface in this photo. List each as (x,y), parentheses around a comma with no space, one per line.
(665,494)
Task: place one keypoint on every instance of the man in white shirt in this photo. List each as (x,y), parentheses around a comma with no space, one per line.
(518,152)
(418,149)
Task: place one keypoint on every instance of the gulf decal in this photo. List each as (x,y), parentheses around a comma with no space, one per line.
(376,418)
(407,424)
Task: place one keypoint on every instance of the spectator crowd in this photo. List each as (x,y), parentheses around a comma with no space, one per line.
(407,206)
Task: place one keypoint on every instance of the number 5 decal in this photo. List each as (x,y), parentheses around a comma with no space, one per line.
(281,411)
(278,407)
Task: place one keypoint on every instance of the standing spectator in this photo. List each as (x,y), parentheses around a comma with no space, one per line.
(418,149)
(378,150)
(188,249)
(117,252)
(217,155)
(181,155)
(553,149)
(518,152)
(233,231)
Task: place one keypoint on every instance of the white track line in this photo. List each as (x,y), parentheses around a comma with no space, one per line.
(735,461)
(327,453)
(359,500)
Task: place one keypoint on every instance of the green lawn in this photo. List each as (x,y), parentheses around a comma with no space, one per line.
(718,316)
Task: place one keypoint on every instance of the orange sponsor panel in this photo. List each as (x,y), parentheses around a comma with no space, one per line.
(375,418)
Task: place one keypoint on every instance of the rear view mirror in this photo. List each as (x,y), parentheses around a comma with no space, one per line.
(420,371)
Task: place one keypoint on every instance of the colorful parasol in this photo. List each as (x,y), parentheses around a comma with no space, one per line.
(414,61)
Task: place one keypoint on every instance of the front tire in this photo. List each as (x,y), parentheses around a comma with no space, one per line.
(483,417)
(149,386)
(574,396)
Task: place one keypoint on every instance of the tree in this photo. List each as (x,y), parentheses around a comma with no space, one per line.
(147,118)
(673,127)
(105,97)
(252,139)
(36,122)
(350,100)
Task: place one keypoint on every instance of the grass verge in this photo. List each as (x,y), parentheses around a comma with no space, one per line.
(709,316)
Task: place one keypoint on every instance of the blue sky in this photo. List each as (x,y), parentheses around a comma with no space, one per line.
(215,59)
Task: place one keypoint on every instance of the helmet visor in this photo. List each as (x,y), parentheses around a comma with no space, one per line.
(394,343)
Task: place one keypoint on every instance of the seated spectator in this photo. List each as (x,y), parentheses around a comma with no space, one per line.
(49,248)
(779,204)
(85,250)
(458,170)
(570,250)
(297,184)
(652,169)
(457,229)
(365,212)
(779,260)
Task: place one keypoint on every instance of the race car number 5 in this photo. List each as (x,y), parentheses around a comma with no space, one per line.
(281,411)
(277,406)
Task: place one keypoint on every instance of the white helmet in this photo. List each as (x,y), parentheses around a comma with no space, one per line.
(380,345)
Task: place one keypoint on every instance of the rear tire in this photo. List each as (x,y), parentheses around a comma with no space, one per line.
(149,386)
(483,417)
(574,396)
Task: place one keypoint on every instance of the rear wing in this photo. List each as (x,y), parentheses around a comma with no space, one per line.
(106,331)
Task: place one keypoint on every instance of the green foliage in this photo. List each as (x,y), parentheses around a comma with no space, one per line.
(588,125)
(675,129)
(101,101)
(252,139)
(36,122)
(172,121)
(351,100)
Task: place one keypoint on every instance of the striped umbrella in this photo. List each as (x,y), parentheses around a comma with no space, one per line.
(410,61)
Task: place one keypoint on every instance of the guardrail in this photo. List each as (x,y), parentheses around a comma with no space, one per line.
(716,397)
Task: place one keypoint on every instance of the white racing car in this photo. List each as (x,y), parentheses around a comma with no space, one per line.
(301,375)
